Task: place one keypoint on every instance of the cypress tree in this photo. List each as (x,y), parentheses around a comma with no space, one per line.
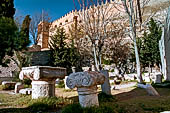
(24,33)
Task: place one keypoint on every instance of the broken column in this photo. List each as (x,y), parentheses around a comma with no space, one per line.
(43,79)
(106,86)
(86,84)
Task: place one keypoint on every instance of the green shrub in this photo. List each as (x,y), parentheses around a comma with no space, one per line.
(8,87)
(27,81)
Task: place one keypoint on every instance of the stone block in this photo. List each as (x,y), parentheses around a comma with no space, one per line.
(26,91)
(18,87)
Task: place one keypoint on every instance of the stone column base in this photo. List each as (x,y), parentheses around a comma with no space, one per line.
(43,89)
(88,97)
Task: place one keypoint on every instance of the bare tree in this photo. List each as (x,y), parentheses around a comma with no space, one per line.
(117,48)
(36,19)
(96,18)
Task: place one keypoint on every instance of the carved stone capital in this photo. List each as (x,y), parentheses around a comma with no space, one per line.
(42,72)
(85,79)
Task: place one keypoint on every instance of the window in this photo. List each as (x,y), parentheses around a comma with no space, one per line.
(66,21)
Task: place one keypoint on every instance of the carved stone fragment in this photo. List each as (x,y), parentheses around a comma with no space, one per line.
(86,84)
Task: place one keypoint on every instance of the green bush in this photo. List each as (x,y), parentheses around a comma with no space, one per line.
(107,62)
(27,82)
(8,87)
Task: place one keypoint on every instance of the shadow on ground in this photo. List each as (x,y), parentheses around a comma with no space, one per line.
(136,100)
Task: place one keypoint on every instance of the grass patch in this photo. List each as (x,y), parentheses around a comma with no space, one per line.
(103,108)
(44,104)
(103,97)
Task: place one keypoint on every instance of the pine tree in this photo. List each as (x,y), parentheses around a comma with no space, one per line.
(62,54)
(149,45)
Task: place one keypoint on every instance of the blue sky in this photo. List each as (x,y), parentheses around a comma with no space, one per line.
(55,8)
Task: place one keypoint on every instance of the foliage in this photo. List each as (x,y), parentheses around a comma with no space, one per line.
(24,33)
(149,45)
(61,54)
(7,8)
(97,25)
(8,87)
(8,36)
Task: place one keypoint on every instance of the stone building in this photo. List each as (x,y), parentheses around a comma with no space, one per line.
(155,9)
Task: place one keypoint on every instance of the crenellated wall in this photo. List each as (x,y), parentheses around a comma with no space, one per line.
(158,6)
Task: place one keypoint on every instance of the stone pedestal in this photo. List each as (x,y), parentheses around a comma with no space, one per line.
(43,89)
(106,86)
(88,96)
(86,83)
(43,79)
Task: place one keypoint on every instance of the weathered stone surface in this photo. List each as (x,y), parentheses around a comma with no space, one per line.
(26,91)
(85,79)
(43,79)
(18,87)
(150,90)
(65,82)
(43,89)
(158,78)
(164,45)
(106,86)
(42,72)
(86,83)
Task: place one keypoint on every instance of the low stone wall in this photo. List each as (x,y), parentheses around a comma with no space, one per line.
(5,79)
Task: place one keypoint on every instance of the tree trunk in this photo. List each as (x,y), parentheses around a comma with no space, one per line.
(95,58)
(140,80)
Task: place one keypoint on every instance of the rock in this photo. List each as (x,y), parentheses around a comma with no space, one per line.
(86,83)
(158,78)
(18,87)
(150,90)
(26,91)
